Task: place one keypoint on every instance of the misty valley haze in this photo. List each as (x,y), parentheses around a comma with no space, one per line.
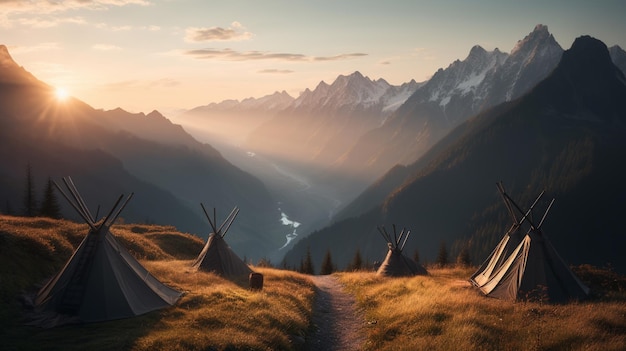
(320,171)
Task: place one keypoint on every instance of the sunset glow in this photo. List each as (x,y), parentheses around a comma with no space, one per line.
(142,55)
(61,94)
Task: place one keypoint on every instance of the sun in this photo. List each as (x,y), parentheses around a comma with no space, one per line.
(61,94)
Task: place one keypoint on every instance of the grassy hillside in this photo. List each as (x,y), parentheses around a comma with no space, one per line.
(436,312)
(213,314)
(443,311)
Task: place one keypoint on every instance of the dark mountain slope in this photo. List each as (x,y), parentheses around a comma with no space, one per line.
(566,136)
(170,172)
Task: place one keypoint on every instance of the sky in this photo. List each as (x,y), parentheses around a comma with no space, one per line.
(169,55)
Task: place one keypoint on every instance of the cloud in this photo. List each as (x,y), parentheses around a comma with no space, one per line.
(232,55)
(121,28)
(42,22)
(36,48)
(234,33)
(106,47)
(33,12)
(276,71)
(338,57)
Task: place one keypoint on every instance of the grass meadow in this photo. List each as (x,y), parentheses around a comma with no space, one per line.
(443,311)
(440,311)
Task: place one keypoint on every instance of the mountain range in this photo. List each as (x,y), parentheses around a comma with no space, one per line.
(564,136)
(351,132)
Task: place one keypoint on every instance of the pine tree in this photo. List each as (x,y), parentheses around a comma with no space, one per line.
(357,261)
(442,257)
(464,258)
(327,264)
(49,204)
(30,204)
(265,262)
(307,264)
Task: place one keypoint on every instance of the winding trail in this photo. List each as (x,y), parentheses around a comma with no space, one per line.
(338,324)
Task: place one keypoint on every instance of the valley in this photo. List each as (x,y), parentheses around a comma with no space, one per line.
(303,202)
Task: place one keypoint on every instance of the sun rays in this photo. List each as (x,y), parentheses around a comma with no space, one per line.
(61,94)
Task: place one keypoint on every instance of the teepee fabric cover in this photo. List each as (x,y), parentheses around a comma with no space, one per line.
(398,265)
(506,246)
(101,281)
(527,267)
(217,257)
(534,270)
(116,285)
(395,263)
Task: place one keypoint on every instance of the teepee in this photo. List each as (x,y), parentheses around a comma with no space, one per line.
(396,264)
(534,270)
(217,256)
(507,244)
(101,281)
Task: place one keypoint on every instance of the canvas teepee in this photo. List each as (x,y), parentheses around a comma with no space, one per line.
(534,270)
(217,256)
(397,264)
(101,281)
(507,245)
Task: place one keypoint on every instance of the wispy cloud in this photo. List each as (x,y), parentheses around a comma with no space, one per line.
(232,55)
(338,57)
(33,13)
(35,48)
(49,22)
(236,32)
(105,47)
(276,71)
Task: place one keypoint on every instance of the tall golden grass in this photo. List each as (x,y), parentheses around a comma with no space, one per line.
(213,314)
(443,311)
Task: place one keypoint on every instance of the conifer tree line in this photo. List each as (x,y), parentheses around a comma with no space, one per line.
(47,207)
(358,263)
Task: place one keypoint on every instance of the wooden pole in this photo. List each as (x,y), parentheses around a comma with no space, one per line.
(112,209)
(208,217)
(120,209)
(405,239)
(546,213)
(74,192)
(232,219)
(80,213)
(80,200)
(219,230)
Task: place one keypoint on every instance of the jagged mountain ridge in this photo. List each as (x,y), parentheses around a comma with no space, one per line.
(142,153)
(565,136)
(321,124)
(484,79)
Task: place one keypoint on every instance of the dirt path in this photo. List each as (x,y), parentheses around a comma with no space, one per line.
(339,326)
